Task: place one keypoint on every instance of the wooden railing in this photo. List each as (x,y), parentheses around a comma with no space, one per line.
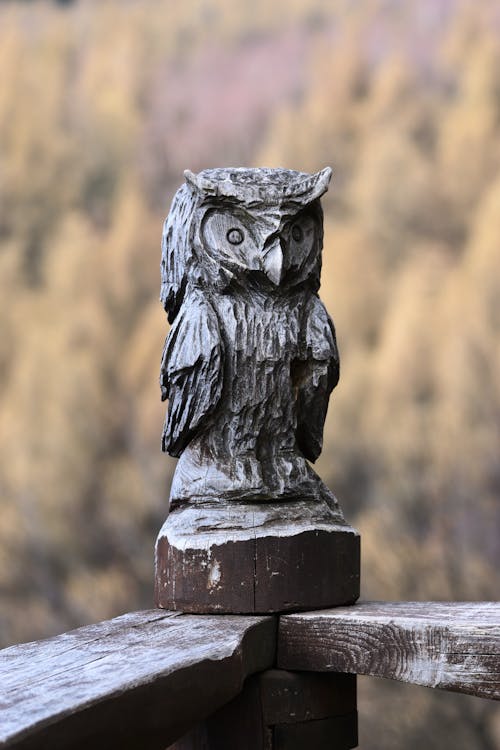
(153,678)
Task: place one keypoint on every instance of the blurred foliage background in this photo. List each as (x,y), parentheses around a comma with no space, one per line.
(102,105)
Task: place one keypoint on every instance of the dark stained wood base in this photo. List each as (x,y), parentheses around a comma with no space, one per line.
(273,557)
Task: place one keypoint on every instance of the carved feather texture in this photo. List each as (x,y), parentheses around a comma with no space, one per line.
(317,377)
(177,252)
(251,358)
(191,372)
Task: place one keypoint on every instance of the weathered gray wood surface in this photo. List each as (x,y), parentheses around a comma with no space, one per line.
(138,681)
(450,645)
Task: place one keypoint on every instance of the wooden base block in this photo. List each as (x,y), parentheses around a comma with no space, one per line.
(275,557)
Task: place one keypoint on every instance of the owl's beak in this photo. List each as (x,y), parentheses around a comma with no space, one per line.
(273,261)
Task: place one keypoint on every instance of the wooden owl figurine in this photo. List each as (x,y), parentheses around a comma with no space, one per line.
(248,368)
(251,358)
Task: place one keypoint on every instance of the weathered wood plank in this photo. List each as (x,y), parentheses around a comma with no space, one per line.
(137,681)
(449,645)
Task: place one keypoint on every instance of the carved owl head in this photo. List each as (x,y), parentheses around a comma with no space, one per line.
(243,226)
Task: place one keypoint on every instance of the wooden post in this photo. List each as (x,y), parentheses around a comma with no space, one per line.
(248,368)
(279,710)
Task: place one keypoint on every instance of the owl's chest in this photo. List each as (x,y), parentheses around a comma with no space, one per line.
(266,330)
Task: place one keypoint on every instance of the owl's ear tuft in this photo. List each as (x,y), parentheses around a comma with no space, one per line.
(190,177)
(322,180)
(325,175)
(200,183)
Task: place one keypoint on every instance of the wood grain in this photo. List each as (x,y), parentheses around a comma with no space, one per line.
(454,646)
(138,681)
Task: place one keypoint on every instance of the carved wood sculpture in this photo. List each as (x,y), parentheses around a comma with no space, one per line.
(248,368)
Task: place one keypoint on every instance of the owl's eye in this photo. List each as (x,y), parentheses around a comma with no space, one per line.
(235,236)
(297,233)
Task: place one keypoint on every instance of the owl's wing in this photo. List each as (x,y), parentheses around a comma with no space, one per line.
(317,375)
(191,372)
(176,251)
